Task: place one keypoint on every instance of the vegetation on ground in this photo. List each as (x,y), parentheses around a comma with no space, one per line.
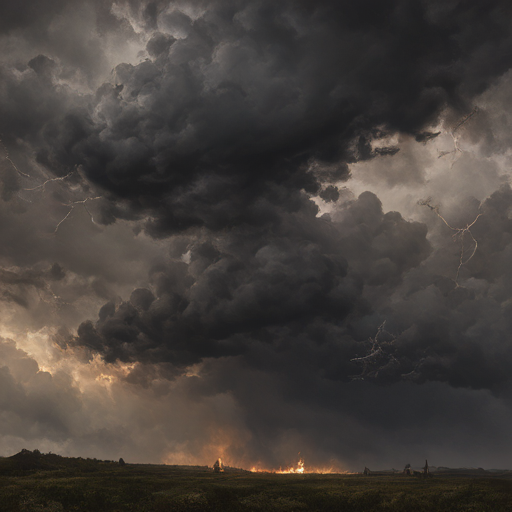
(49,483)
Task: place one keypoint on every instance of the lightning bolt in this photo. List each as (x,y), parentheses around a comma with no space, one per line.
(456,149)
(379,350)
(459,233)
(51,180)
(42,187)
(8,158)
(45,292)
(464,120)
(73,205)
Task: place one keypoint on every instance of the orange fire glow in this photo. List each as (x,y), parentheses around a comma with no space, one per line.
(299,469)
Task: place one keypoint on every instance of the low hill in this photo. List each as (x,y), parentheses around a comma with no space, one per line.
(28,461)
(31,461)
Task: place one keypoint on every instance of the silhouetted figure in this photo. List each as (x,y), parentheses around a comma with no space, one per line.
(217,467)
(426,472)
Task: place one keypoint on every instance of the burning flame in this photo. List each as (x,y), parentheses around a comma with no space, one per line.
(300,469)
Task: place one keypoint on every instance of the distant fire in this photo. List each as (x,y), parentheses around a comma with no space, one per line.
(299,469)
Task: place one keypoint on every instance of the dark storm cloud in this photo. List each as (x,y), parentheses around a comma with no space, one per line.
(315,298)
(235,118)
(461,334)
(249,96)
(251,293)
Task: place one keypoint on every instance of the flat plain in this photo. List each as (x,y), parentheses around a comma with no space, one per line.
(90,485)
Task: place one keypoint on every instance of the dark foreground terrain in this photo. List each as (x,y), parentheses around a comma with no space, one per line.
(52,483)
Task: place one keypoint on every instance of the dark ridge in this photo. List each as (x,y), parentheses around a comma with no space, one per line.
(34,461)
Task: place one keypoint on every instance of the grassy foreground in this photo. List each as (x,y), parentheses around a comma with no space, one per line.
(110,487)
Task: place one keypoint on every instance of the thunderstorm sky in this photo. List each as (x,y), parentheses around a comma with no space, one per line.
(249,229)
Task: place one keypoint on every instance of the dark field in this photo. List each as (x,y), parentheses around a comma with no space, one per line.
(159,488)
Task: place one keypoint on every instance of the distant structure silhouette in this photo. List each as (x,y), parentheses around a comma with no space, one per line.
(366,471)
(422,474)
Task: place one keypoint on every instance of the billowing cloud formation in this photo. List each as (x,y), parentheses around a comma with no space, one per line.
(235,100)
(236,296)
(212,177)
